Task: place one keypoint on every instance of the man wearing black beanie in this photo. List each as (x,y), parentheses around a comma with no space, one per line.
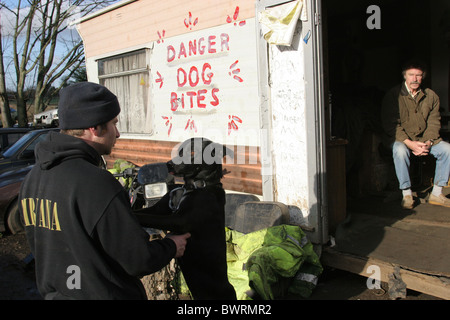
(86,242)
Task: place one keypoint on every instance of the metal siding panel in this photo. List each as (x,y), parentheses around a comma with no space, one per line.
(138,23)
(242,178)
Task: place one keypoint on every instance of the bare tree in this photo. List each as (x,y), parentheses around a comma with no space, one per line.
(21,58)
(40,27)
(4,108)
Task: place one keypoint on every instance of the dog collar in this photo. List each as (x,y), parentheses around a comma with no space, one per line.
(197,184)
(176,196)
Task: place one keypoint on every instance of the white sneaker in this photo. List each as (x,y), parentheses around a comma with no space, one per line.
(407,202)
(440,201)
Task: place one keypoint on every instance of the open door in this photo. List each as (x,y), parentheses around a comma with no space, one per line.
(293,116)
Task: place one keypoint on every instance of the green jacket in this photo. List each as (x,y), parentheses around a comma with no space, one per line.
(404,117)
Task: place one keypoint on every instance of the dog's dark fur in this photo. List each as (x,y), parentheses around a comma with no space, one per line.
(197,208)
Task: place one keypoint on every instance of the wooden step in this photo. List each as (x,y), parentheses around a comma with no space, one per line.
(414,280)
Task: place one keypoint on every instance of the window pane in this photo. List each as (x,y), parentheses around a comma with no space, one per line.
(130,88)
(132,93)
(127,62)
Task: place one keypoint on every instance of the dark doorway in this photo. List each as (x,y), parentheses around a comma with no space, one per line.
(363,63)
(360,65)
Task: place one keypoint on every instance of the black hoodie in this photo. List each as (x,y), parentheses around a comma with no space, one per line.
(86,242)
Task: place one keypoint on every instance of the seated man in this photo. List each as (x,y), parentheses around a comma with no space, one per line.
(411,120)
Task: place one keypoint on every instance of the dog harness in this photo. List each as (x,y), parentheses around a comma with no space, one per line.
(177,195)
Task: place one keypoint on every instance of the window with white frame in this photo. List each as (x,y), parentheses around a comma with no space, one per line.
(127,76)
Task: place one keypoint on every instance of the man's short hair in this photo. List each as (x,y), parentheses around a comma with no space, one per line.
(80,132)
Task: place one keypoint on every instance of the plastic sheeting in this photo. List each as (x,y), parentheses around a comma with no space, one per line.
(119,166)
(278,23)
(272,262)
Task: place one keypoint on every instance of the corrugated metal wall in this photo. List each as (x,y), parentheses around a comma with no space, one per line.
(141,22)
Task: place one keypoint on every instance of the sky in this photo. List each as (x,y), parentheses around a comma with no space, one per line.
(7,21)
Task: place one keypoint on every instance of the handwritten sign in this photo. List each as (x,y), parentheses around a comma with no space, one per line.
(205,83)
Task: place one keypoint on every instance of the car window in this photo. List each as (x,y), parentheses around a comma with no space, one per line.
(8,139)
(13,138)
(28,152)
(16,146)
(21,142)
(32,145)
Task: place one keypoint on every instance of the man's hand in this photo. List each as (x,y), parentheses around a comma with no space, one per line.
(180,240)
(418,148)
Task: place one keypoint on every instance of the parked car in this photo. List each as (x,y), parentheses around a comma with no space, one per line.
(47,118)
(8,136)
(10,182)
(21,154)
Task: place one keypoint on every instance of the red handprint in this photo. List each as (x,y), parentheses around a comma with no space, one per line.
(188,23)
(161,37)
(232,125)
(235,16)
(234,72)
(190,125)
(160,79)
(168,123)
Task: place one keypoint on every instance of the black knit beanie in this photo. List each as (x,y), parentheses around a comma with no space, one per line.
(85,104)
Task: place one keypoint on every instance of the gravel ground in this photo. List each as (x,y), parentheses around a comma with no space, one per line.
(17,281)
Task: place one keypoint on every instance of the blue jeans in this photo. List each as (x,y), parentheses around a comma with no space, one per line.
(401,155)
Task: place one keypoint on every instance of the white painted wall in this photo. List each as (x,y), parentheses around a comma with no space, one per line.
(290,174)
(209,90)
(289,135)
(222,71)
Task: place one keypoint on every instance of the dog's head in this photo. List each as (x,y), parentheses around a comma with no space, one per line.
(198,158)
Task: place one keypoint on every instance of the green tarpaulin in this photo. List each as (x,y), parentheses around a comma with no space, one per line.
(274,262)
(119,166)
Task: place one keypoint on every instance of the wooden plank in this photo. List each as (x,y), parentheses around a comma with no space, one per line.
(425,283)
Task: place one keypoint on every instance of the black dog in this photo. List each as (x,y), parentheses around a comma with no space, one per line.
(198,208)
